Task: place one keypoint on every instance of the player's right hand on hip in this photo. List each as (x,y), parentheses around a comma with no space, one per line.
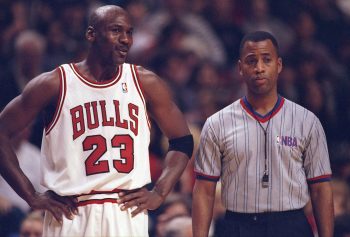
(57,205)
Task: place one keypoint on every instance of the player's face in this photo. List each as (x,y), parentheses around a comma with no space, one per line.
(114,38)
(260,65)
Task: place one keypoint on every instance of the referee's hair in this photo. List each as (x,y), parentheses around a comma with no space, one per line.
(258,36)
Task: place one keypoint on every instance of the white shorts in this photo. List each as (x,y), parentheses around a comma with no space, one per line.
(99,215)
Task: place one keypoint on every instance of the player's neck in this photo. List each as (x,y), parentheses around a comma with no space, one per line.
(95,71)
(262,104)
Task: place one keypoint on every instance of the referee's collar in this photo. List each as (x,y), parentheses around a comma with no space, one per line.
(262,118)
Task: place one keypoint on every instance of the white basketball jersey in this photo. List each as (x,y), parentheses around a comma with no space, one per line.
(98,139)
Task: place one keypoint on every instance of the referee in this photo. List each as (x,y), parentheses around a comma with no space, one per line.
(270,154)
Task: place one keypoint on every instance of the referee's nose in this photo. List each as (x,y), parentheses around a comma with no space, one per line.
(260,66)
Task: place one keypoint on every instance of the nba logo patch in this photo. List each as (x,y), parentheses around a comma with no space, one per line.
(124,87)
(287,141)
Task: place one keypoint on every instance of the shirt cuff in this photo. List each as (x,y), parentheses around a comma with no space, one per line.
(320,179)
(206,177)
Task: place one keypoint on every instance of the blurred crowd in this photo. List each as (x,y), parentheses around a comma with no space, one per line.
(193,45)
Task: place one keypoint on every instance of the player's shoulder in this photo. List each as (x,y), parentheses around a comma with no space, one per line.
(45,85)
(151,83)
(144,74)
(48,80)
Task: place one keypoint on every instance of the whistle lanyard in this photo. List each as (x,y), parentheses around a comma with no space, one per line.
(265,177)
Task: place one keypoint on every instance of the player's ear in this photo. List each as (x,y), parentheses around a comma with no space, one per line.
(90,34)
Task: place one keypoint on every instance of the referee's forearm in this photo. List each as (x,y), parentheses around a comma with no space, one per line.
(202,208)
(322,204)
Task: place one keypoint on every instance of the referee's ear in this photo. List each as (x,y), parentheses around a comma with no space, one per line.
(279,64)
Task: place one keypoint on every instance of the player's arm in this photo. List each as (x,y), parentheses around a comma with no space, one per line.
(322,205)
(16,116)
(202,206)
(172,123)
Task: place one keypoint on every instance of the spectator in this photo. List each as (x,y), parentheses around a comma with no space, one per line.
(341,226)
(259,18)
(175,205)
(27,63)
(173,229)
(199,33)
(32,225)
(10,218)
(341,197)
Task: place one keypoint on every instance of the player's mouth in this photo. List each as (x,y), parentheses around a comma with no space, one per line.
(123,51)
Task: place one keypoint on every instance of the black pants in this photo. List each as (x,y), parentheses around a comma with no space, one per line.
(270,224)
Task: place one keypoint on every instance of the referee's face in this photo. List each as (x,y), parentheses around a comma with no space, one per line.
(260,65)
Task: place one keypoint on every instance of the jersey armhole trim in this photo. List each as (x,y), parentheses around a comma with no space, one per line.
(62,95)
(206,177)
(137,83)
(320,179)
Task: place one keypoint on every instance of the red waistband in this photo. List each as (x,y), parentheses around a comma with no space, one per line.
(100,197)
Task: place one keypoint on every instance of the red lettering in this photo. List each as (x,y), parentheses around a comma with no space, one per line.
(133,114)
(77,121)
(119,123)
(88,114)
(105,122)
(92,121)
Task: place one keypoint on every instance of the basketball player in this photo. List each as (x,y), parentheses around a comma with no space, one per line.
(270,154)
(95,143)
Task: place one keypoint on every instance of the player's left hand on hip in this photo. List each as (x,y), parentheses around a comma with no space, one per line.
(141,199)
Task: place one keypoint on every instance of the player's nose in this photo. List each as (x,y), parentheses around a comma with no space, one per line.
(125,38)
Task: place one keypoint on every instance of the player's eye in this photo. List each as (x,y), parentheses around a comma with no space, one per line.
(116,30)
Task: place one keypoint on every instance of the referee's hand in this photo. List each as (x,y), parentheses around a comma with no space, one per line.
(57,205)
(141,199)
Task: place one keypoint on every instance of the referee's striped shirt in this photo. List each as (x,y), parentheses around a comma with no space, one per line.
(232,147)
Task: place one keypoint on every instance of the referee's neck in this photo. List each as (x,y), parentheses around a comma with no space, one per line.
(262,104)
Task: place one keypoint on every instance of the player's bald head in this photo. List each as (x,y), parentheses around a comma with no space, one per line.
(99,15)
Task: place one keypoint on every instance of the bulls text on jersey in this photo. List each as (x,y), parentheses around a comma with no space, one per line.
(89,113)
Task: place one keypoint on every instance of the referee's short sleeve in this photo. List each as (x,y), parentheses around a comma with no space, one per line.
(317,164)
(207,164)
